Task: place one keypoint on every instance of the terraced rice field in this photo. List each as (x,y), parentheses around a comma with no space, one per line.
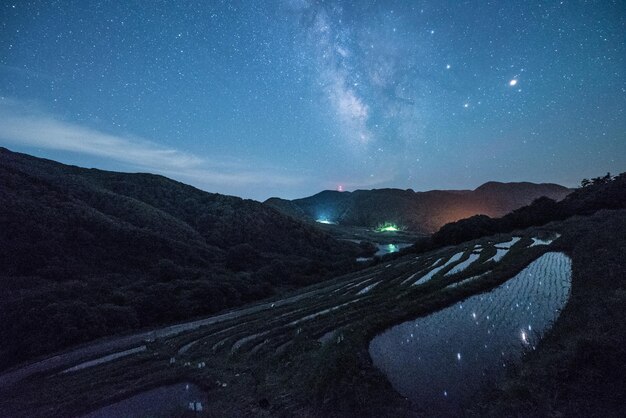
(439,360)
(220,350)
(548,241)
(465,264)
(428,276)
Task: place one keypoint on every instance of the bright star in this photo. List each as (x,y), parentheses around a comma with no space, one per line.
(448,66)
(512,82)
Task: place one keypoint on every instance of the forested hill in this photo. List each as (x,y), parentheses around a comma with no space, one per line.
(423,212)
(607,192)
(87,253)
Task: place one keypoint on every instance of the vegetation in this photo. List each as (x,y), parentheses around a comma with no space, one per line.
(602,193)
(575,371)
(578,368)
(270,361)
(88,253)
(419,212)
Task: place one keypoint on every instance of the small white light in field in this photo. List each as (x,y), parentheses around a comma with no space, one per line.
(524,337)
(512,82)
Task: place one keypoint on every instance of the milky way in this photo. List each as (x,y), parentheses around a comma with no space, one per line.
(290,97)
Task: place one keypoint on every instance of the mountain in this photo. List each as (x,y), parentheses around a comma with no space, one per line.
(423,212)
(318,351)
(608,192)
(87,253)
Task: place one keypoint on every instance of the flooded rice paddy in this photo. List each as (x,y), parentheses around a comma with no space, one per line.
(440,360)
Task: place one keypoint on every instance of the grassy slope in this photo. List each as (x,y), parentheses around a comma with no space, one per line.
(339,379)
(579,368)
(88,253)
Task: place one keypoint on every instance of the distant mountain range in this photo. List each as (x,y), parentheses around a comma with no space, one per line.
(423,212)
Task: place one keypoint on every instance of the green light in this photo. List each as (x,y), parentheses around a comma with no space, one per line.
(388,227)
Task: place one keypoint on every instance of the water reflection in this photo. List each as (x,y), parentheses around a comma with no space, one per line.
(164,401)
(390,248)
(440,360)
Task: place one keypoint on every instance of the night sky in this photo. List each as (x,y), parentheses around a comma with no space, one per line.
(286,98)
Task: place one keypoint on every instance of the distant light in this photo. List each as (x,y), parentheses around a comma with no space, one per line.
(458,356)
(448,66)
(387,227)
(513,82)
(340,188)
(324,220)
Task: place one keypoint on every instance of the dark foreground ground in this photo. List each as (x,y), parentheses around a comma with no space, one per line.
(268,361)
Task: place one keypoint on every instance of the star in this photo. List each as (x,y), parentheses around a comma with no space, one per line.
(370,78)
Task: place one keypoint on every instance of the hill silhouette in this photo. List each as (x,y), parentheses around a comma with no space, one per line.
(422,212)
(606,192)
(87,253)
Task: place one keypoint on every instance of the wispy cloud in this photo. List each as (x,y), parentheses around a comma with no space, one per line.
(24,125)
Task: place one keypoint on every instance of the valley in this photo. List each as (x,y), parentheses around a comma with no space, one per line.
(413,212)
(312,209)
(269,357)
(140,290)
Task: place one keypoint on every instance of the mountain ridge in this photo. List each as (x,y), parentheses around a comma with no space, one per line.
(424,211)
(87,253)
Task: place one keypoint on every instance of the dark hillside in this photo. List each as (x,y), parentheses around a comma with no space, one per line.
(87,253)
(421,212)
(604,193)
